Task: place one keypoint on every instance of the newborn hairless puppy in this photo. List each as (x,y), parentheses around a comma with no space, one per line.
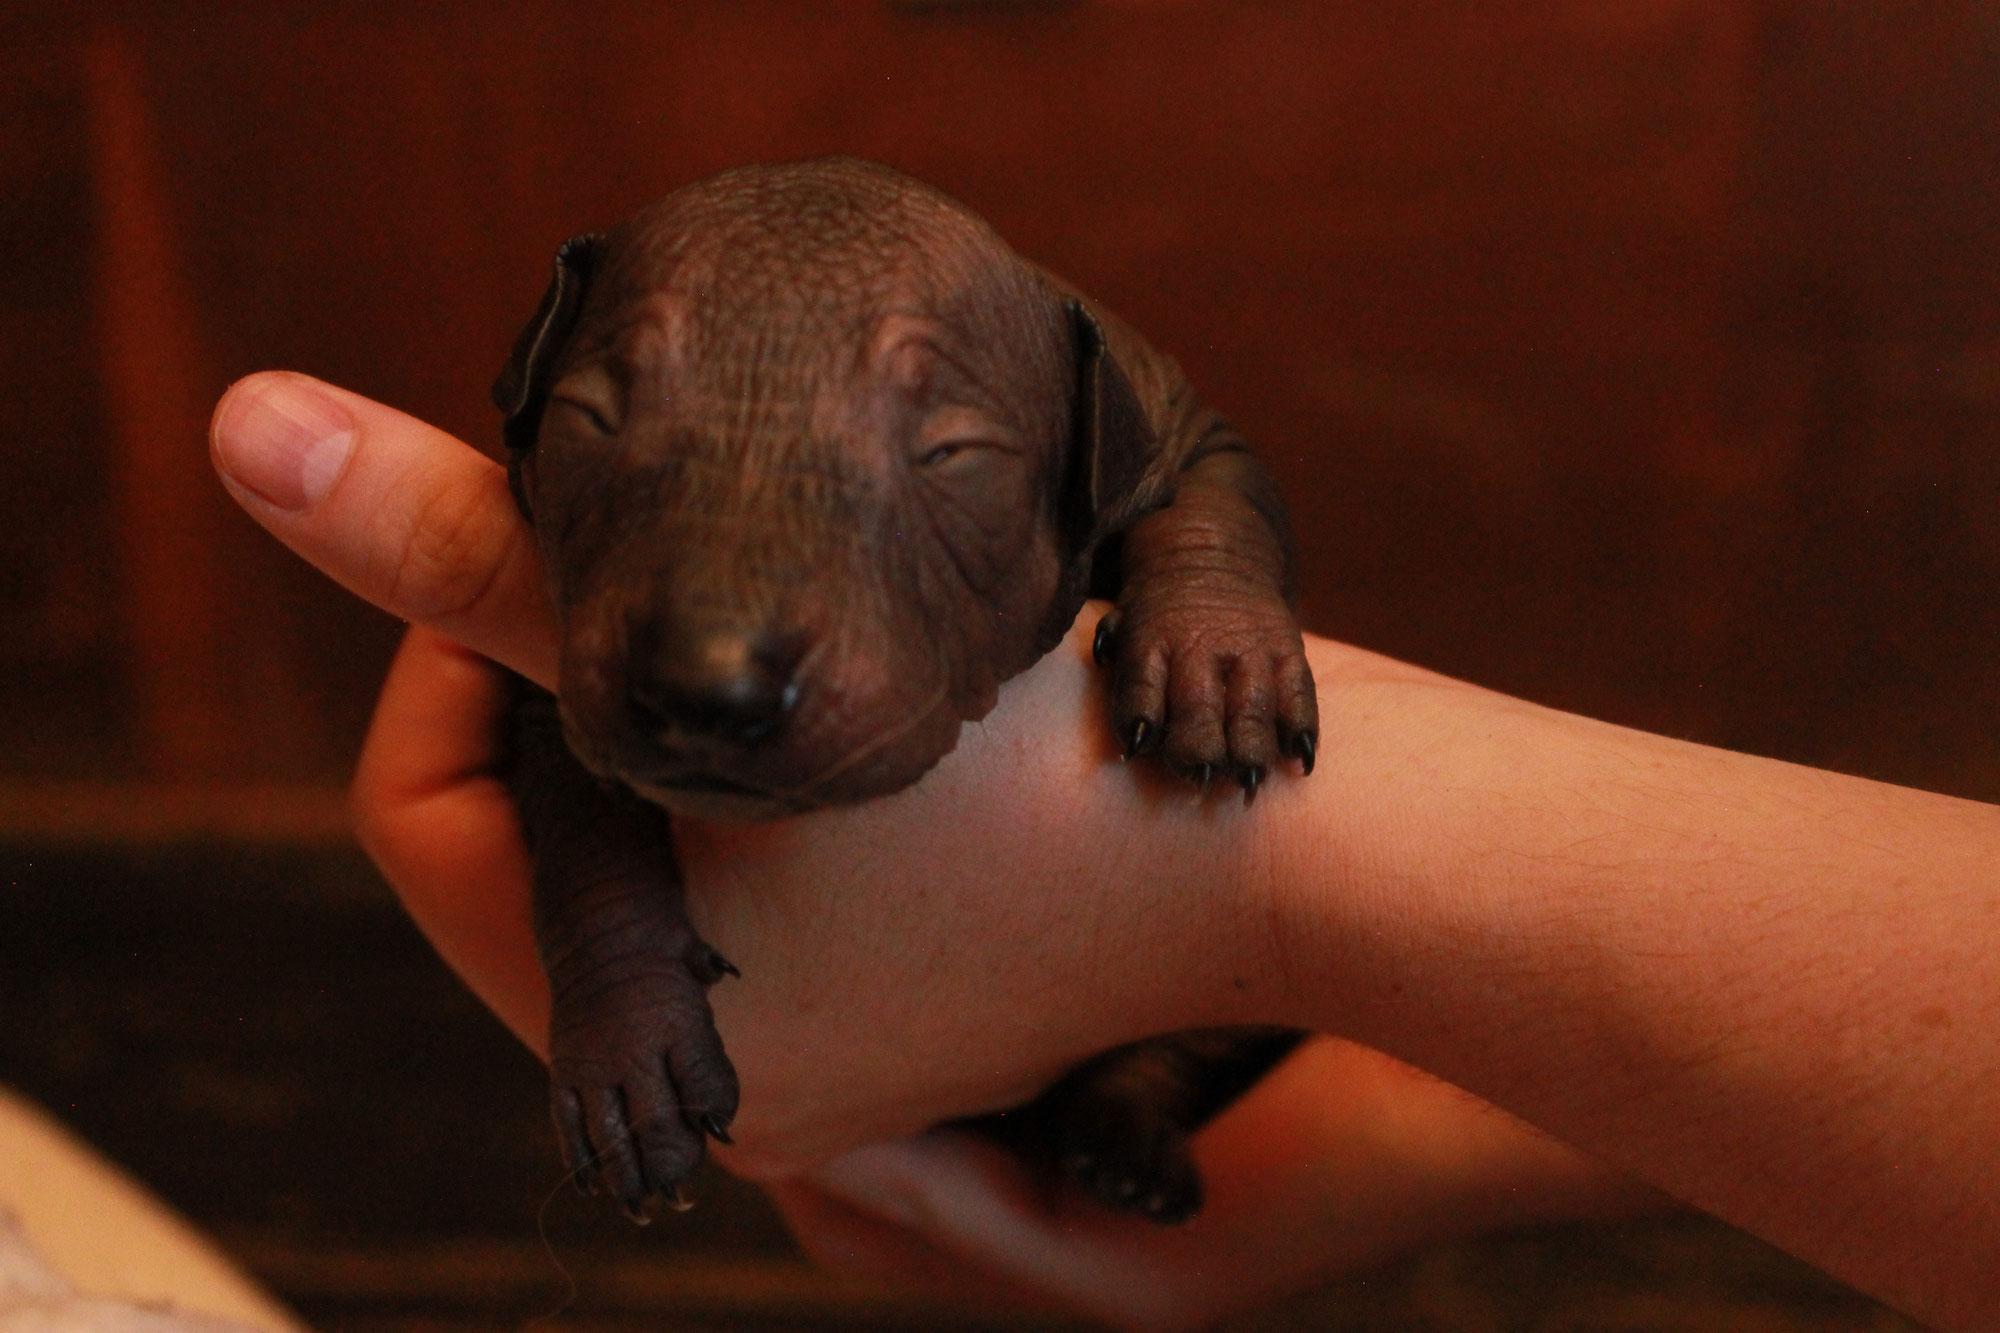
(815,463)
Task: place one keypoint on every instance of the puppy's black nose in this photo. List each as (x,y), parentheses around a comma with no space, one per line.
(729,684)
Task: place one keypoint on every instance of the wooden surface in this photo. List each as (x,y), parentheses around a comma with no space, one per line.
(1644,359)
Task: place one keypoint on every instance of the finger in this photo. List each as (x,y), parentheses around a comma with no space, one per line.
(1253,739)
(440,825)
(566,1110)
(1195,741)
(703,1079)
(1139,692)
(843,1239)
(964,1199)
(1298,711)
(398,512)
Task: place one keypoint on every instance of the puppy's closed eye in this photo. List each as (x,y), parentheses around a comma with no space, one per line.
(593,417)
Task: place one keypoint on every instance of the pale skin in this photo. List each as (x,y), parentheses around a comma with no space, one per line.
(1766,990)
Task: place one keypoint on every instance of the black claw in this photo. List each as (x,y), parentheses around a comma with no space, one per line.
(1135,737)
(1100,646)
(1251,778)
(677,1201)
(715,1128)
(723,967)
(1305,747)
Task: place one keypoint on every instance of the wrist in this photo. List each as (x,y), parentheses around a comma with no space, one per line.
(1213,911)
(1344,866)
(1172,888)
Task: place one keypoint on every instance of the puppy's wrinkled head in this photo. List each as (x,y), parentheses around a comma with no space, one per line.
(800,448)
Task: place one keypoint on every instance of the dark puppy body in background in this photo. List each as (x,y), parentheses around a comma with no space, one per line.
(815,463)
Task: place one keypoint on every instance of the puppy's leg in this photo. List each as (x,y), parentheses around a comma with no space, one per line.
(1207,663)
(1119,1125)
(638,1071)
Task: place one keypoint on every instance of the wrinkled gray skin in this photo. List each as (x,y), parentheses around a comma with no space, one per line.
(815,463)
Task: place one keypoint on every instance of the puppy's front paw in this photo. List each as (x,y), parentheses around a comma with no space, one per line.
(639,1077)
(1213,676)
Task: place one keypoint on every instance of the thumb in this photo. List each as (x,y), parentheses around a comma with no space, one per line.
(396,511)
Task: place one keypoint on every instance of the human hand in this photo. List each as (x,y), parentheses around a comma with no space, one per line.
(870,938)
(1339,1160)
(860,1017)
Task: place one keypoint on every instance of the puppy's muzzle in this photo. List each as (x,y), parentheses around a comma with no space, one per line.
(710,683)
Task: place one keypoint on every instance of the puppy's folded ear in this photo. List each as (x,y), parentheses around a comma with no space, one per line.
(522,391)
(1113,475)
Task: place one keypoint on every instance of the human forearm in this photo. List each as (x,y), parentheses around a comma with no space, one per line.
(1767,989)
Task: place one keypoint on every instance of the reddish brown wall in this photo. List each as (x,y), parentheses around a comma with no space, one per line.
(1643,358)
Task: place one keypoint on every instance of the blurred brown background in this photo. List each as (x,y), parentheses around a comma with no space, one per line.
(1639,358)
